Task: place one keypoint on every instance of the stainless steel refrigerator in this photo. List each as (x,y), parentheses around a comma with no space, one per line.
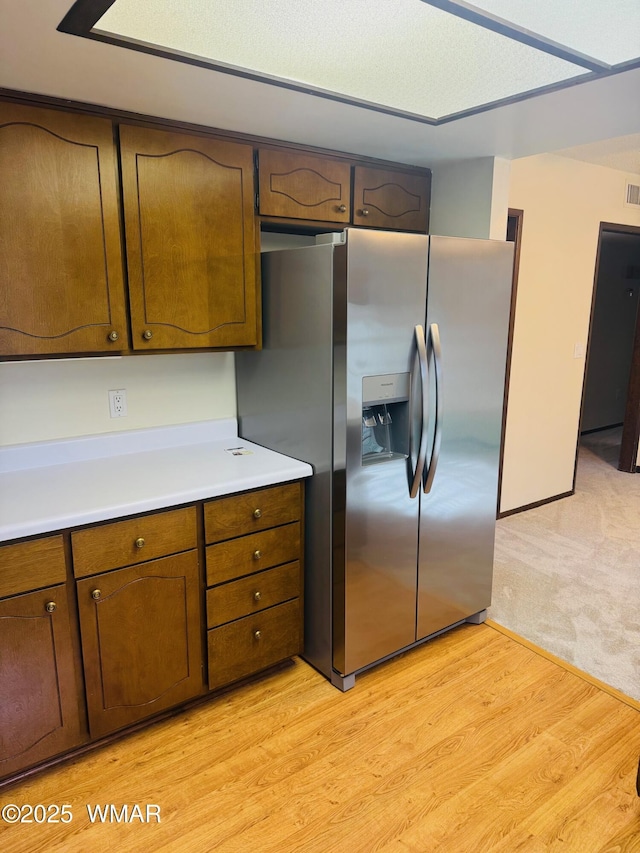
(383,367)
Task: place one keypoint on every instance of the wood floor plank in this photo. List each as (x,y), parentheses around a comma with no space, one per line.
(468,741)
(408,787)
(600,772)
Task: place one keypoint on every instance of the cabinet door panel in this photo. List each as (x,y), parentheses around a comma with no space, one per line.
(60,250)
(386,199)
(189,222)
(140,640)
(300,186)
(39,714)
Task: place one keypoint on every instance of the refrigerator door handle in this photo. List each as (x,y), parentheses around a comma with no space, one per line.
(435,348)
(415,477)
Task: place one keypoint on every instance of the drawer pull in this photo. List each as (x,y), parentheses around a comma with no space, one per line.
(139,542)
(257,513)
(96,594)
(257,555)
(257,635)
(257,595)
(50,606)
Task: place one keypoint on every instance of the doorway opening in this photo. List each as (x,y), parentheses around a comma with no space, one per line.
(515,219)
(610,417)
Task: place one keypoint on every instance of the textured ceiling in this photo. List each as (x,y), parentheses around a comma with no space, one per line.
(36,58)
(404,56)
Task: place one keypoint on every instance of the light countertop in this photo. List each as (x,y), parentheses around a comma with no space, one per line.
(59,484)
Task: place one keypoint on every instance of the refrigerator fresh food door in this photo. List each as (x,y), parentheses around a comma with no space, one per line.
(469,292)
(375,600)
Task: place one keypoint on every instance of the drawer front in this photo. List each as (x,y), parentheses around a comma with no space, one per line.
(31,565)
(253,643)
(137,540)
(248,554)
(301,186)
(250,595)
(250,512)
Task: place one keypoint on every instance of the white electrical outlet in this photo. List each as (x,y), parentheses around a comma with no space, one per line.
(118,403)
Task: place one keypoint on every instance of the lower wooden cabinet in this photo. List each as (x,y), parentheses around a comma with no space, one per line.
(254,600)
(39,700)
(141,640)
(253,643)
(139,635)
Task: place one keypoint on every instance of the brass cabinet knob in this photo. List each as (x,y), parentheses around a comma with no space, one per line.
(147,334)
(364,211)
(257,635)
(257,595)
(257,513)
(113,336)
(139,542)
(50,606)
(257,555)
(96,594)
(342,208)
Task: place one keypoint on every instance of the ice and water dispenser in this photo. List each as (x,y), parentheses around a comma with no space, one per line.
(385,417)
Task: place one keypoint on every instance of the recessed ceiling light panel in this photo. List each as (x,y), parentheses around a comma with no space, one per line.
(404,56)
(608,30)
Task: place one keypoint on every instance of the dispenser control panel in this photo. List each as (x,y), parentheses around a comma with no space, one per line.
(387,388)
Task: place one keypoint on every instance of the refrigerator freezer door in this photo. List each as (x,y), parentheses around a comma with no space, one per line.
(469,292)
(375,601)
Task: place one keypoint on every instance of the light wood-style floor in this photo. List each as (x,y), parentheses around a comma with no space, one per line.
(471,743)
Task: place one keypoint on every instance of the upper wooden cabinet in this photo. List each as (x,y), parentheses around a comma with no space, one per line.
(60,250)
(300,186)
(390,199)
(294,185)
(190,230)
(191,244)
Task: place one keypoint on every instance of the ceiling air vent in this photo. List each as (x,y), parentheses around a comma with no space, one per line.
(632,195)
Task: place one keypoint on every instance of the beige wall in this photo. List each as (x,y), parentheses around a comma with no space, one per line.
(42,400)
(564,202)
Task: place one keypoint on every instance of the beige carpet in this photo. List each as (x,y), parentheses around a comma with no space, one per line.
(567,574)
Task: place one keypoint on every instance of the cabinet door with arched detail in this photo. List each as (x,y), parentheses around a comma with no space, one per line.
(141,640)
(39,700)
(61,272)
(191,244)
(390,199)
(294,185)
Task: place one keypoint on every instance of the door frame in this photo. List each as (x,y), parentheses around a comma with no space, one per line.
(517,215)
(631,423)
